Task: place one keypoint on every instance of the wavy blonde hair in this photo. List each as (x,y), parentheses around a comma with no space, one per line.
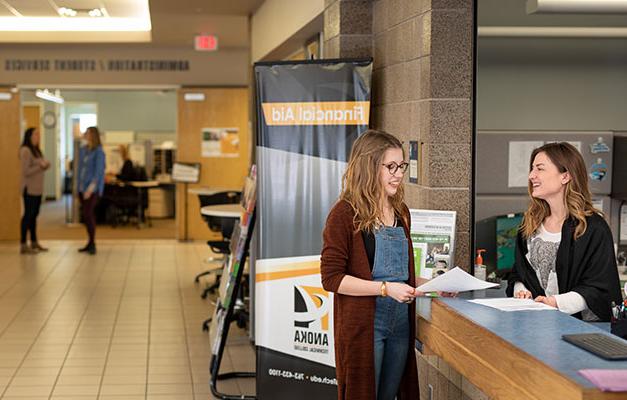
(361,185)
(577,197)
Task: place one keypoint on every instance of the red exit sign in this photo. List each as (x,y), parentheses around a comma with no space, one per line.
(206,43)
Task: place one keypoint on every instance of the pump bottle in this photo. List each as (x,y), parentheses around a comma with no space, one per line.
(480,269)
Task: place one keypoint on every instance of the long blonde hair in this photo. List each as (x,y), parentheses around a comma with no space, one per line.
(361,185)
(577,197)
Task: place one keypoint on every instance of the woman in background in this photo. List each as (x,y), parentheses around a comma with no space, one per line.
(564,250)
(33,166)
(127,172)
(91,172)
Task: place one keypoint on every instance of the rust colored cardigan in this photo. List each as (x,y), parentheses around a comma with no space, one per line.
(344,253)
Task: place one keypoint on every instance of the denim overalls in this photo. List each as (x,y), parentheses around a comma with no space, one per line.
(391,321)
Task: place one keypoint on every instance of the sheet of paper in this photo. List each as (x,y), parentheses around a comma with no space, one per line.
(512,304)
(518,165)
(455,280)
(608,380)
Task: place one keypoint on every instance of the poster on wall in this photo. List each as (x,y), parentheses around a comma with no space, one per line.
(433,240)
(309,113)
(220,142)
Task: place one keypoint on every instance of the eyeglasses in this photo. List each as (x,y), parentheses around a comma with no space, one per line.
(393,167)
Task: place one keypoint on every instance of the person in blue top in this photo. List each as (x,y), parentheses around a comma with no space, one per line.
(91,172)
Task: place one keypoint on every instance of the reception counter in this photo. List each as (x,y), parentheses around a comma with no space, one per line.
(509,355)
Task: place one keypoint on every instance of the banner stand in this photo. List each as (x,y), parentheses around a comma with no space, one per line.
(225,312)
(229,317)
(308,114)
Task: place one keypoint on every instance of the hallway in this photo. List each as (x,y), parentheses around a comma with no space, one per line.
(123,325)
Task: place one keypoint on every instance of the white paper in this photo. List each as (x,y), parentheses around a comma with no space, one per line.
(185,173)
(512,304)
(518,165)
(455,280)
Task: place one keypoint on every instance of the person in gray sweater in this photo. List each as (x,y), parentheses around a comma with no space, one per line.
(33,166)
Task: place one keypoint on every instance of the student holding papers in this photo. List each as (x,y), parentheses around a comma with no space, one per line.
(564,251)
(367,262)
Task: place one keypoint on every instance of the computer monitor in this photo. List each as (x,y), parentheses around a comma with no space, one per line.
(506,230)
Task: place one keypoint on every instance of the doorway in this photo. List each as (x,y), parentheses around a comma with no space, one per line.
(140,121)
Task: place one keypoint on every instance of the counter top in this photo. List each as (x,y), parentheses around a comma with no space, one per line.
(528,343)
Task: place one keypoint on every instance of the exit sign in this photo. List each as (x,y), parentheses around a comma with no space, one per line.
(206,43)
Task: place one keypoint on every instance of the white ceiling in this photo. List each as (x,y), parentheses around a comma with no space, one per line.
(174,22)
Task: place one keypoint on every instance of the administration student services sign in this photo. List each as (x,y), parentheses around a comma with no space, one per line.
(308,116)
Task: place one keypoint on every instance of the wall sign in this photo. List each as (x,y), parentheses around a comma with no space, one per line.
(125,65)
(95,65)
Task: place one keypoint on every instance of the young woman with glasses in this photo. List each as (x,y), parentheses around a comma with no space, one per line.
(367,262)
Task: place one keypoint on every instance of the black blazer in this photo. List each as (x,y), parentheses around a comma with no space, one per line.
(586,266)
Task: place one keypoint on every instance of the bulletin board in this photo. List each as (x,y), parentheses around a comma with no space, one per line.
(503,158)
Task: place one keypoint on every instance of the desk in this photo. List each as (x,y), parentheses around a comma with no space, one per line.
(223,210)
(511,355)
(141,186)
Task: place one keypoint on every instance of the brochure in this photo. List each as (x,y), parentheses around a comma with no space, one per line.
(433,240)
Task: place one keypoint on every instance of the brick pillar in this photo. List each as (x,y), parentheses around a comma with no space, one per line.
(422,91)
(347,28)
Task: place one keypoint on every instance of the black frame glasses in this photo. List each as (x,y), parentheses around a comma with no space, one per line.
(393,167)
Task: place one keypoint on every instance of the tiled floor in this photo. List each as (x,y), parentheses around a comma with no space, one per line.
(124,324)
(51,224)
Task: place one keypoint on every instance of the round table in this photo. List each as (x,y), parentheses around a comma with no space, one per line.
(223,210)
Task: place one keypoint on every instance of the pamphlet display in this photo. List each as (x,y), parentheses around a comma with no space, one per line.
(229,288)
(433,239)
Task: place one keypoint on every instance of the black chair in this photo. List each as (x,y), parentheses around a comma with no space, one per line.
(223,225)
(122,203)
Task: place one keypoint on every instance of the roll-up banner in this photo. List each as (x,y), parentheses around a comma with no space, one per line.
(308,116)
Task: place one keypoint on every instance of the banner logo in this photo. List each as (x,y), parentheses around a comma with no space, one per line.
(311,319)
(317,113)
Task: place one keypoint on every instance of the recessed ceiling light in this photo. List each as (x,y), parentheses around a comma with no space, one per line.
(67,12)
(95,13)
(133,18)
